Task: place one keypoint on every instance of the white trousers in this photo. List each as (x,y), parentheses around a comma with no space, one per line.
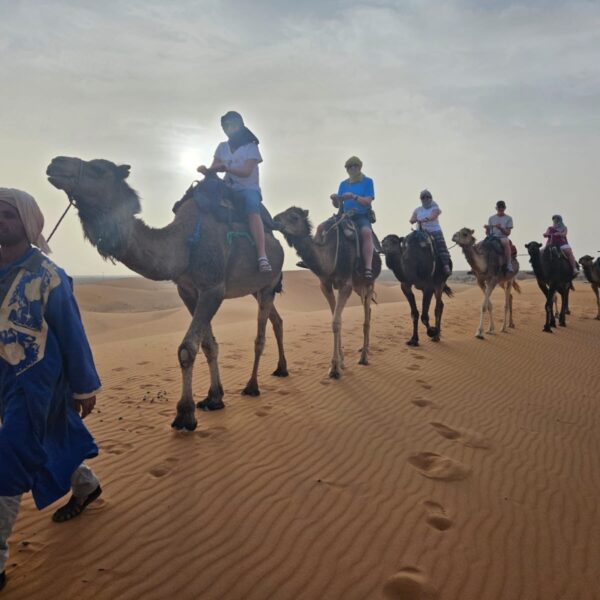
(83,483)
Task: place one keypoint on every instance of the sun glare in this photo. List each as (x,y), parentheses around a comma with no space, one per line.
(189,159)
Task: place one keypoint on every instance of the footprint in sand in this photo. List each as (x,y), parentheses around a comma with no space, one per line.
(211,432)
(119,369)
(164,468)
(422,403)
(424,384)
(410,583)
(467,438)
(436,466)
(264,411)
(114,447)
(436,516)
(414,368)
(144,362)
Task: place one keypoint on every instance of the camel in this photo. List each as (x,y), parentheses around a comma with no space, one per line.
(206,272)
(334,262)
(591,269)
(487,267)
(412,260)
(554,275)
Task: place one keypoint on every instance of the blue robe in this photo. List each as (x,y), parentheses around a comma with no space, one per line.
(45,361)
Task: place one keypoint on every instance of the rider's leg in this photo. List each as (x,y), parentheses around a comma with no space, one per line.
(569,254)
(252,200)
(507,253)
(442,250)
(366,237)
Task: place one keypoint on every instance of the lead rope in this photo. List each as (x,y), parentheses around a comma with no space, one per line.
(71,201)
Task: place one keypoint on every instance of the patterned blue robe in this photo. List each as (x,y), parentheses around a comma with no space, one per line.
(45,361)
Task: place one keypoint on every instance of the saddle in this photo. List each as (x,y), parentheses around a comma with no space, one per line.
(347,226)
(213,195)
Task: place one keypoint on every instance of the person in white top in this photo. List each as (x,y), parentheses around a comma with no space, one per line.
(500,227)
(238,158)
(427,216)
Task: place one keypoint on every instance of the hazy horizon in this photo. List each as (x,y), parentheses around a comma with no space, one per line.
(476,103)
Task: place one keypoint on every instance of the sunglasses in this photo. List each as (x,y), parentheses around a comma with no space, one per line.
(352,166)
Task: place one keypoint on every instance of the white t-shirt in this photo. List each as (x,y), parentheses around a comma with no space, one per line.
(504,221)
(423,213)
(237,160)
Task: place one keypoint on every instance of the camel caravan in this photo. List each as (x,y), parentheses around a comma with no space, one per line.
(221,245)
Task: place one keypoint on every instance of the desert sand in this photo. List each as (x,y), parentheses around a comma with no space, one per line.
(462,470)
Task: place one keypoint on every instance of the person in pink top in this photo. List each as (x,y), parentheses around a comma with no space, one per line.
(556,235)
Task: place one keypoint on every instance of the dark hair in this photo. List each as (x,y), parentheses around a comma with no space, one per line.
(500,204)
(425,194)
(232,117)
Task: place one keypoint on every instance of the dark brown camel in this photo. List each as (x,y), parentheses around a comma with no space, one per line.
(554,275)
(335,263)
(413,262)
(206,272)
(591,269)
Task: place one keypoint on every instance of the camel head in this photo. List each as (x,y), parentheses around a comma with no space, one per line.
(293,223)
(533,248)
(586,261)
(392,244)
(464,237)
(105,202)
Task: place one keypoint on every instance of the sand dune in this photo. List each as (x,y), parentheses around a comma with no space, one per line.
(462,470)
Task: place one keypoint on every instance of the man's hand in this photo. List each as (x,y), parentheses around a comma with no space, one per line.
(335,200)
(203,169)
(84,406)
(347,195)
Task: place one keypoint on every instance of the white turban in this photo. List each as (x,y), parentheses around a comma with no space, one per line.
(30,213)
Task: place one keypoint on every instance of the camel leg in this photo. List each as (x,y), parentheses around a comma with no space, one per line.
(439,311)
(492,328)
(277,323)
(199,330)
(564,305)
(265,305)
(414,313)
(427,297)
(597,294)
(484,306)
(327,290)
(336,325)
(548,306)
(507,303)
(511,323)
(364,352)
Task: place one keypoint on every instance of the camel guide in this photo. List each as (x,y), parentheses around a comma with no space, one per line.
(48,382)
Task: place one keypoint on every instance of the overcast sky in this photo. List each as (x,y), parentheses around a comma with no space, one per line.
(475,101)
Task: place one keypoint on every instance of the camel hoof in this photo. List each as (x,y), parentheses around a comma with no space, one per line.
(363,361)
(435,338)
(210,404)
(279,372)
(432,332)
(480,336)
(548,330)
(184,421)
(251,390)
(334,374)
(412,342)
(512,325)
(562,324)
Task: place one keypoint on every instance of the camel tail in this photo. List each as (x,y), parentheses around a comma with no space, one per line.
(571,286)
(516,286)
(448,291)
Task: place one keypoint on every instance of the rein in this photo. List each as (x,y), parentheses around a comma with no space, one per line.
(71,198)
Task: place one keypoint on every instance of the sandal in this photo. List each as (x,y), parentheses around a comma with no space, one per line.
(264,266)
(73,508)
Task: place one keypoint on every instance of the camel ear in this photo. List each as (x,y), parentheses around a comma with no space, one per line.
(123,171)
(472,231)
(305,213)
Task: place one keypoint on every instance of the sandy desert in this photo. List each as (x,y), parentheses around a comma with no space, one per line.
(464,470)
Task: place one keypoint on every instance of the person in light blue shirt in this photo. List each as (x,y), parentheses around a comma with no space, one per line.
(355,195)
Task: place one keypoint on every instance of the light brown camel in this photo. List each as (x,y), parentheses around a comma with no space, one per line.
(335,264)
(591,269)
(487,266)
(206,272)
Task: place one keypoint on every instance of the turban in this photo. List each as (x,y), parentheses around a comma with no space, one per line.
(30,214)
(232,117)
